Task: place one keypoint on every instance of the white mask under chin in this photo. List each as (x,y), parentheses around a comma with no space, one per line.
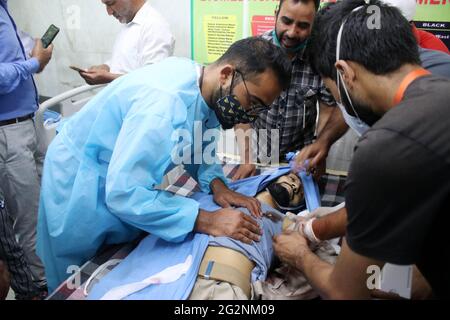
(356,124)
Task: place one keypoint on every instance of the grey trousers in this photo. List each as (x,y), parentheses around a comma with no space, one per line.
(21,161)
(12,254)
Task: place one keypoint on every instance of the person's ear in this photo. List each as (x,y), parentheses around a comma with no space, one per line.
(225,74)
(347,73)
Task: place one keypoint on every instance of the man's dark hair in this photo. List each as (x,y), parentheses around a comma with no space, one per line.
(316,2)
(381,51)
(253,56)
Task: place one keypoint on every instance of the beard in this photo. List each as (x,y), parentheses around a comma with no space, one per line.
(364,111)
(215,96)
(291,42)
(219,93)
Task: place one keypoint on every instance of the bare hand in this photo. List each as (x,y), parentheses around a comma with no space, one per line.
(313,158)
(244,171)
(290,246)
(235,224)
(103,67)
(97,76)
(41,54)
(227,198)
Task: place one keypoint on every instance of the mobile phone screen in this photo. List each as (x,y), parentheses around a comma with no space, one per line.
(50,35)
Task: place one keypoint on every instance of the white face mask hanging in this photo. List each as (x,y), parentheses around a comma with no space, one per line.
(357,125)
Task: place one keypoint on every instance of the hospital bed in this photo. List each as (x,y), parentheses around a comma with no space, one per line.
(70,101)
(73,101)
(74,288)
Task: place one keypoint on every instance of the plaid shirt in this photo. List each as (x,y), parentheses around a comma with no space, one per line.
(294,113)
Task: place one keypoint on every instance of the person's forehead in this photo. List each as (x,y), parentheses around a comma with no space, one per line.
(264,86)
(295,177)
(288,177)
(108,2)
(298,11)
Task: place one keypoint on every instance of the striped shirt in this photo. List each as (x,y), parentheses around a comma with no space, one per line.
(294,112)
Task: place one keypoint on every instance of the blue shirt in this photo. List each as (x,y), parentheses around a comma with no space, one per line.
(18,94)
(154,255)
(260,252)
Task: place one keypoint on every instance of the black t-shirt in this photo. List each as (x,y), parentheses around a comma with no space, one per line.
(398,190)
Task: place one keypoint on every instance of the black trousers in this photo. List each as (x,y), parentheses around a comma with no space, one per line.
(12,254)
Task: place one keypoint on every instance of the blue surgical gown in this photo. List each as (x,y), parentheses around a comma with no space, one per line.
(101,170)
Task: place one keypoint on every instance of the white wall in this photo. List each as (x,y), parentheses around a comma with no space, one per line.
(87,34)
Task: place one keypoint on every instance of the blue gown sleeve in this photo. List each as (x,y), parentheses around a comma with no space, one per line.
(204,173)
(141,156)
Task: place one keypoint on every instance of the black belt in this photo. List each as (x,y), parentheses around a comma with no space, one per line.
(16,120)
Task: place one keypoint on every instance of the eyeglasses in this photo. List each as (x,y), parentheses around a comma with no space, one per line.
(255,108)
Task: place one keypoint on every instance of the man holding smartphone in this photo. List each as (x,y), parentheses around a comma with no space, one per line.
(21,159)
(145,38)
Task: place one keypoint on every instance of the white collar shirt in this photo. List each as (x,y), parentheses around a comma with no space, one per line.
(145,40)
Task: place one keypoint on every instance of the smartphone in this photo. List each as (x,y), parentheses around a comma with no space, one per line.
(50,35)
(77,69)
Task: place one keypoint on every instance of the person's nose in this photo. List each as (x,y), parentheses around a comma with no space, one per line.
(293,32)
(109,10)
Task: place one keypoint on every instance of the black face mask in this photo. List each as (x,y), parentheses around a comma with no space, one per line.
(363,111)
(279,194)
(282,198)
(229,110)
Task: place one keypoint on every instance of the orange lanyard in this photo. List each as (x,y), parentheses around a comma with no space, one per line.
(413,75)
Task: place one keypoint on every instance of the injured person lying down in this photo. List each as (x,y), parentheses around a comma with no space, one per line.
(204,267)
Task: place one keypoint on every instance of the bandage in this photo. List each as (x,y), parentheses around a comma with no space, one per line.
(309,232)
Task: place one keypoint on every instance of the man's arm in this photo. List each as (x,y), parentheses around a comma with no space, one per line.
(325,113)
(12,74)
(99,75)
(332,131)
(228,223)
(334,128)
(348,279)
(227,198)
(247,168)
(331,226)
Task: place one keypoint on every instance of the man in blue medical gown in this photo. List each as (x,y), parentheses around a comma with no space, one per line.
(102,169)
